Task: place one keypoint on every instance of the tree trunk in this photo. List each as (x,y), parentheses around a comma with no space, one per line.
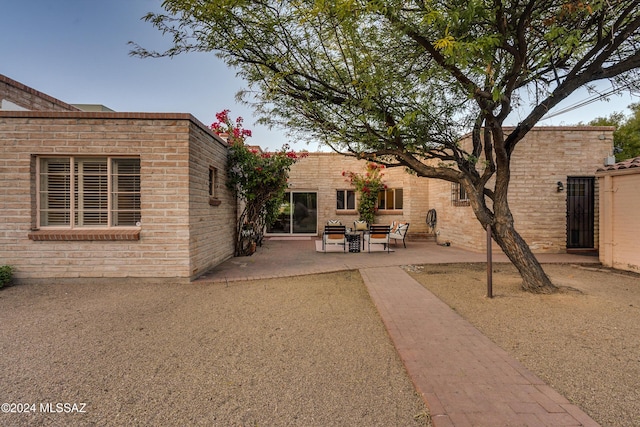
(534,279)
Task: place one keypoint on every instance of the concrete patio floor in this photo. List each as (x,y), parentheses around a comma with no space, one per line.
(293,257)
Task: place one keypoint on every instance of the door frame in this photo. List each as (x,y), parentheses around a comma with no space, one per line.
(580,213)
(291,232)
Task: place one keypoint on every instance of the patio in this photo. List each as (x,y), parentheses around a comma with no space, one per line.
(284,257)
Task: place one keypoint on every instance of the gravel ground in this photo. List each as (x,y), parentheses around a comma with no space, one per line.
(307,351)
(584,341)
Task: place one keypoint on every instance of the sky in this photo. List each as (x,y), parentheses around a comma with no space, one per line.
(77,51)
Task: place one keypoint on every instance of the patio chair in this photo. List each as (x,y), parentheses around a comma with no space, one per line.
(379,234)
(399,231)
(334,235)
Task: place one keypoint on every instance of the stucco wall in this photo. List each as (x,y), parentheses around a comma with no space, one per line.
(620,222)
(167,144)
(322,173)
(546,155)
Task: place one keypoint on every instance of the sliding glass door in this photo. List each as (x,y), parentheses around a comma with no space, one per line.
(298,214)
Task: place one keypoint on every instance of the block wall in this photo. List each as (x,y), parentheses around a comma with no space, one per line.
(322,173)
(165,144)
(211,218)
(546,155)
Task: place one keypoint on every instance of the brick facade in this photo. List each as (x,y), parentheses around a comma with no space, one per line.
(185,230)
(182,234)
(322,173)
(546,155)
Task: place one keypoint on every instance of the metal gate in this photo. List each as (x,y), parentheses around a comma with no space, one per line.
(580,212)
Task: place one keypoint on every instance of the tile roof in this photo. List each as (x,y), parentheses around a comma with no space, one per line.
(627,164)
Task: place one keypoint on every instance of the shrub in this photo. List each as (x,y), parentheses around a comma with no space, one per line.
(6,273)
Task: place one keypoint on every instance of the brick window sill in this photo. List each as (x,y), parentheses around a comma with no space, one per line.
(76,235)
(214,202)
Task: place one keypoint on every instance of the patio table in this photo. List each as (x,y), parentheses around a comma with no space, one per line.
(354,241)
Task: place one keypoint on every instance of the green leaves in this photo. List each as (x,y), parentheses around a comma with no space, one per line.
(398,77)
(626,137)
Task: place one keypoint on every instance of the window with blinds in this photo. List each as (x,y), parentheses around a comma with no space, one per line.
(125,194)
(89,192)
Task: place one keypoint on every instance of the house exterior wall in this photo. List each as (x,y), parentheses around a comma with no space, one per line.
(28,98)
(619,219)
(211,218)
(322,173)
(546,155)
(181,234)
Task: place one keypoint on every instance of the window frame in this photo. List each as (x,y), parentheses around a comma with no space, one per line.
(345,200)
(383,195)
(459,196)
(214,199)
(75,192)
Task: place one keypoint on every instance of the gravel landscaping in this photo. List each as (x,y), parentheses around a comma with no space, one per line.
(305,351)
(300,351)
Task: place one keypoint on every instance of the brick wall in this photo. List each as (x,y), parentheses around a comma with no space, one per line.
(547,155)
(322,173)
(28,98)
(181,233)
(211,219)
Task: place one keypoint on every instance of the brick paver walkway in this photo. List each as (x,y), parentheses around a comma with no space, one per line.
(465,379)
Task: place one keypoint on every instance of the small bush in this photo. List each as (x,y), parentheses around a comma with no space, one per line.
(6,273)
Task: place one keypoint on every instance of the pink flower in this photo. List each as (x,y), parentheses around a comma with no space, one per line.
(223,116)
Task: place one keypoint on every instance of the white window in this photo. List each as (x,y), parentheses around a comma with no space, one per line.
(89,192)
(345,200)
(390,199)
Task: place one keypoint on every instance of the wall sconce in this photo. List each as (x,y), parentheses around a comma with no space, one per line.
(560,187)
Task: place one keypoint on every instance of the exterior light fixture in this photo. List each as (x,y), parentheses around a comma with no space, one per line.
(560,187)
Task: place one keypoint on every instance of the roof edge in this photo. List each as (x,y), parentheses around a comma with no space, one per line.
(110,116)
